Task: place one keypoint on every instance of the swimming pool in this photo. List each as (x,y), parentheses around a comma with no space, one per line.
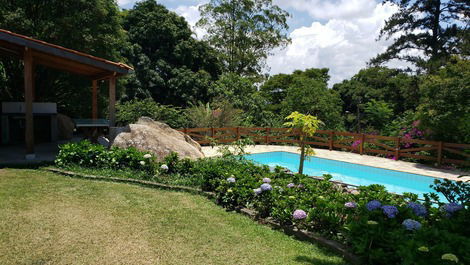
(355,174)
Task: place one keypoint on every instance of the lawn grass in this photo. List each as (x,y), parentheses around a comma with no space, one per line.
(47,218)
(170,179)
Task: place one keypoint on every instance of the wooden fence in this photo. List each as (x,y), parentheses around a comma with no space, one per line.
(388,146)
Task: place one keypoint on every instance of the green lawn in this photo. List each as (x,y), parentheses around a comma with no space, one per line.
(51,219)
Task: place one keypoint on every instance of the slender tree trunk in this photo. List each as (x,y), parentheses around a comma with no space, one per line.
(302,156)
(436,34)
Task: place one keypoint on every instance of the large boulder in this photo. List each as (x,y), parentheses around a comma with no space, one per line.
(158,138)
(65,127)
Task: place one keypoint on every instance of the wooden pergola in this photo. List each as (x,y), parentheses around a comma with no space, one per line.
(36,52)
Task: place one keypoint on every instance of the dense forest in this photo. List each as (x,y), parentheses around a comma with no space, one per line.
(221,80)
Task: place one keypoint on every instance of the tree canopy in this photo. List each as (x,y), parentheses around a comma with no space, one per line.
(170,65)
(244,32)
(426,32)
(445,102)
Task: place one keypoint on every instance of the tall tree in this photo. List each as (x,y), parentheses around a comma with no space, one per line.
(244,32)
(380,83)
(170,65)
(275,88)
(445,102)
(308,93)
(426,32)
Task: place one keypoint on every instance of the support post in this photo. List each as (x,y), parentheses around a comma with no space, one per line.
(332,135)
(238,133)
(361,146)
(112,101)
(94,99)
(397,149)
(28,100)
(268,131)
(439,153)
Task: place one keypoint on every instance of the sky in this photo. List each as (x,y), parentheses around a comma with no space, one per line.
(337,34)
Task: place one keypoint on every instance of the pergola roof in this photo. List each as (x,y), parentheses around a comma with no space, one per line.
(60,58)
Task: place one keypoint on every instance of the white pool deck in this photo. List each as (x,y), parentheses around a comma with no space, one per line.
(367,160)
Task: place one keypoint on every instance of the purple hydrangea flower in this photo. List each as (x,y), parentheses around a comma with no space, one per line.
(267,180)
(257,191)
(300,186)
(373,205)
(451,208)
(350,205)
(231,180)
(390,211)
(290,185)
(266,187)
(411,224)
(299,214)
(418,209)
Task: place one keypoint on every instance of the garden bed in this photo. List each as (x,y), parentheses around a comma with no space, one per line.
(377,226)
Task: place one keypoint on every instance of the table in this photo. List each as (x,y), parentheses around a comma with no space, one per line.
(92,128)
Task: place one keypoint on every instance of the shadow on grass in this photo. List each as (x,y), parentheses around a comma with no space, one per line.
(21,165)
(316,261)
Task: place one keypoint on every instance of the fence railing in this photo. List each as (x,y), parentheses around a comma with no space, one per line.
(388,146)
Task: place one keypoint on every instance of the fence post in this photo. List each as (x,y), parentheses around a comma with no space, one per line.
(332,134)
(439,153)
(212,132)
(185,130)
(238,133)
(397,149)
(361,146)
(268,130)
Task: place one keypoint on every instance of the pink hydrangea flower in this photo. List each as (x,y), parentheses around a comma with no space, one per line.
(299,214)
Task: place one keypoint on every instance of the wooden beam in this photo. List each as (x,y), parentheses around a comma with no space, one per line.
(94,99)
(28,100)
(112,101)
(61,52)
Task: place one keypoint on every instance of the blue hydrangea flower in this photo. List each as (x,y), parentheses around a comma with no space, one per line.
(290,185)
(266,187)
(411,224)
(257,191)
(418,209)
(373,205)
(231,180)
(451,208)
(267,180)
(390,211)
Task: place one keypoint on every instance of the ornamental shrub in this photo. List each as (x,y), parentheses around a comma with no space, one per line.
(88,155)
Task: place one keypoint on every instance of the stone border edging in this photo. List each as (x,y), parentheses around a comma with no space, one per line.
(252,214)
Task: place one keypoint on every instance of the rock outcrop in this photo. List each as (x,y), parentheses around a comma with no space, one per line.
(158,138)
(65,127)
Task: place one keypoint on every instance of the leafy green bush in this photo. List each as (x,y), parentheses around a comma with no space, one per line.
(86,154)
(131,111)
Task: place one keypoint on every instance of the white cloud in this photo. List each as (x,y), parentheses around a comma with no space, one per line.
(126,2)
(192,15)
(342,45)
(331,9)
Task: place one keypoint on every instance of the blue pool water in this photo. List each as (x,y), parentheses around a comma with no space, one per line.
(395,181)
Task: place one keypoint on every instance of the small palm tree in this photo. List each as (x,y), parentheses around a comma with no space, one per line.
(308,125)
